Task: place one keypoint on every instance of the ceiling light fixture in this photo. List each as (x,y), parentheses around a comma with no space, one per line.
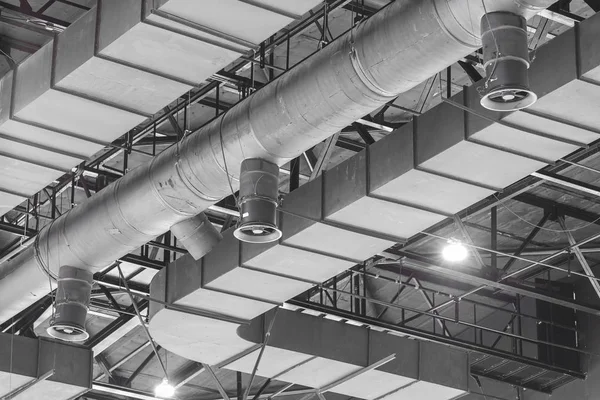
(454,251)
(164,390)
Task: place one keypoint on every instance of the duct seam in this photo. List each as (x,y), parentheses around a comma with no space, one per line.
(45,268)
(38,258)
(506,58)
(363,74)
(157,194)
(267,154)
(437,16)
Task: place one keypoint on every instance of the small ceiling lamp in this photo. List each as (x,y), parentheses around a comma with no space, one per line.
(454,251)
(165,390)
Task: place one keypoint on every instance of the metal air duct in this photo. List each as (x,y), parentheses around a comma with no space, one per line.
(71,304)
(259,189)
(390,53)
(506,61)
(35,369)
(197,235)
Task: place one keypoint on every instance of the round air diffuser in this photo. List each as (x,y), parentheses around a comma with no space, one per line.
(259,188)
(506,61)
(71,304)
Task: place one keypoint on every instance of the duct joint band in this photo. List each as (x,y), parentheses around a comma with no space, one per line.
(115,194)
(157,193)
(187,183)
(258,197)
(449,32)
(363,74)
(502,57)
(39,260)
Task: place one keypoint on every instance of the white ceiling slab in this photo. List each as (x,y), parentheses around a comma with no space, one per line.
(169,53)
(236,18)
(49,390)
(432,191)
(258,285)
(576,102)
(386,217)
(122,85)
(24,178)
(9,201)
(65,112)
(331,240)
(517,140)
(48,138)
(298,263)
(551,127)
(593,74)
(273,362)
(290,6)
(204,34)
(480,164)
(372,384)
(200,339)
(425,390)
(9,382)
(226,304)
(319,372)
(27,152)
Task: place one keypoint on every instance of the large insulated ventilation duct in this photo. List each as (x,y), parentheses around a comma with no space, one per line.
(259,191)
(506,61)
(393,51)
(71,304)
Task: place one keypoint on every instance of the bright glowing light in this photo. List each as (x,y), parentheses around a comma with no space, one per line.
(454,251)
(164,390)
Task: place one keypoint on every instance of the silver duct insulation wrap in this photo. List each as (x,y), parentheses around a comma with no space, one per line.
(391,52)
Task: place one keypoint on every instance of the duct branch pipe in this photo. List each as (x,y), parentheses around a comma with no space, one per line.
(390,53)
(506,61)
(259,191)
(71,304)
(197,235)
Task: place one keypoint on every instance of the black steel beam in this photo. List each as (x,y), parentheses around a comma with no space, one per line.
(471,71)
(20,45)
(17,229)
(422,334)
(31,13)
(141,367)
(113,280)
(349,144)
(364,134)
(527,241)
(554,207)
(294,174)
(594,4)
(143,261)
(416,263)
(74,4)
(46,6)
(114,325)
